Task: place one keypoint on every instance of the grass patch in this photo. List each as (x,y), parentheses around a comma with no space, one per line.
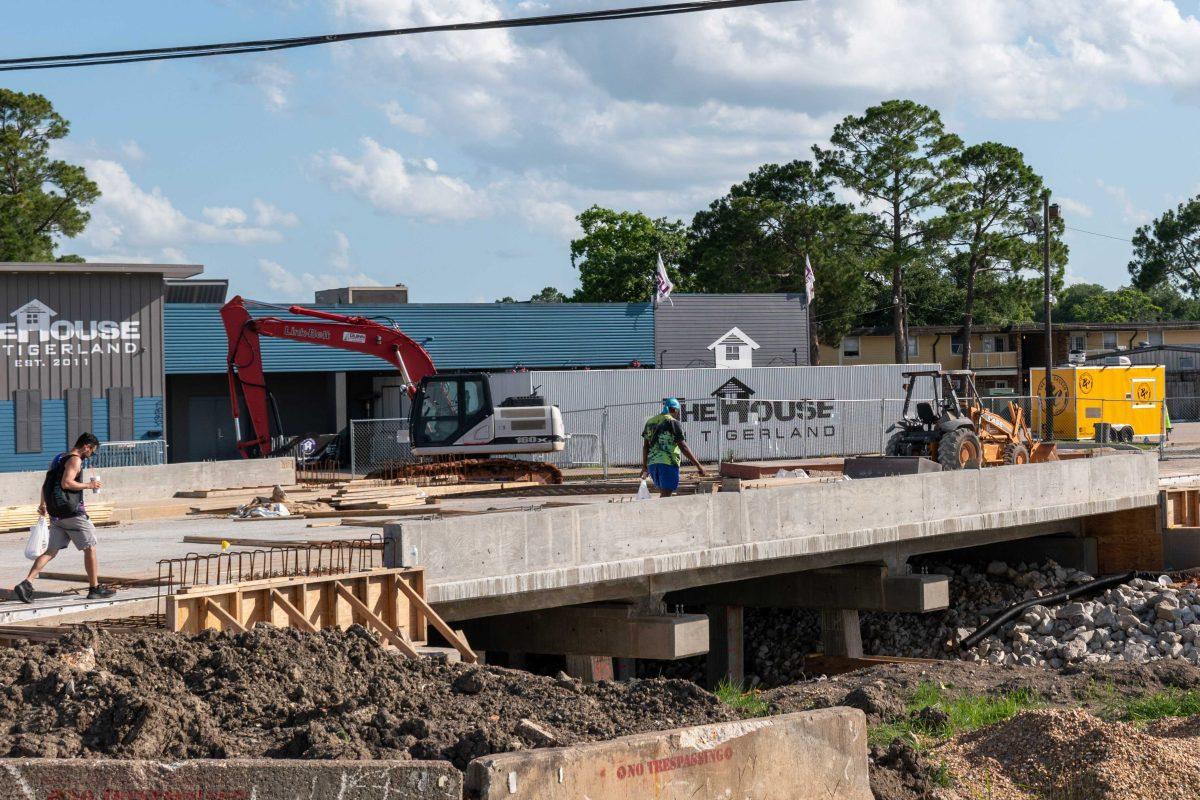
(934,717)
(750,703)
(1159,705)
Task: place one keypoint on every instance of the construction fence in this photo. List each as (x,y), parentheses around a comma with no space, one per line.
(141,453)
(735,429)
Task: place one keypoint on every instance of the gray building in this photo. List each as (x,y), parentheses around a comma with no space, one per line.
(733,331)
(362,295)
(83,351)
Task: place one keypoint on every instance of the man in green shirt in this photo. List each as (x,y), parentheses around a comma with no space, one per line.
(662,442)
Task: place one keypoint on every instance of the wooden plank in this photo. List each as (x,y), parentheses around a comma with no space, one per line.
(268,519)
(135,579)
(353,513)
(294,614)
(459,643)
(390,635)
(281,583)
(241,541)
(220,613)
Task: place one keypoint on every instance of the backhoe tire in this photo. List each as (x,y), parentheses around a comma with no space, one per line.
(959,449)
(1014,454)
(895,445)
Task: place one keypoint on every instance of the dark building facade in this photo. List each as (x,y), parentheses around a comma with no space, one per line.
(83,351)
(732,331)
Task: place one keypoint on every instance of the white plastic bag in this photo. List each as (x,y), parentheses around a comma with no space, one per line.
(39,539)
(643,492)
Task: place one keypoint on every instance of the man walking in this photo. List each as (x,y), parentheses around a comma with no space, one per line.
(662,441)
(62,497)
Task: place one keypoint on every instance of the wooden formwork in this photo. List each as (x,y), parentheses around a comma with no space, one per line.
(1181,507)
(390,601)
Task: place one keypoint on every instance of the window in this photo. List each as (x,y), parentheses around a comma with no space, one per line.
(733,352)
(1078,342)
(956,344)
(27,405)
(31,317)
(914,347)
(850,347)
(1110,340)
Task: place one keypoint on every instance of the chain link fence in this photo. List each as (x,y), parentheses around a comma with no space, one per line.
(753,429)
(141,453)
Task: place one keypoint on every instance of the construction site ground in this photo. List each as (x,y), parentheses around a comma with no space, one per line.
(1074,732)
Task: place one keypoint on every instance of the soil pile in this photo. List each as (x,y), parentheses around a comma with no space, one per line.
(285,694)
(1069,753)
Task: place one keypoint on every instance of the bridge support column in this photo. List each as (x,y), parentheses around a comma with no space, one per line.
(840,633)
(726,649)
(590,669)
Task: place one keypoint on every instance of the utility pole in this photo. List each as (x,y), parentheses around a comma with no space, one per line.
(1049,212)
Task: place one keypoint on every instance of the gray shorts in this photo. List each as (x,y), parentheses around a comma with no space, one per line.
(71,529)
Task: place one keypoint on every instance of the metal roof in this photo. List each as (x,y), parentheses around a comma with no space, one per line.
(485,336)
(102,268)
(203,290)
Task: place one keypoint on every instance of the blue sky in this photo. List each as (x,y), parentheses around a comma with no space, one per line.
(455,163)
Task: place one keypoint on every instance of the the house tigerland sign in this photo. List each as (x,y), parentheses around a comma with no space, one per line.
(732,415)
(35,339)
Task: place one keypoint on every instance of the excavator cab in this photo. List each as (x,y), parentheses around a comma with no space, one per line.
(453,414)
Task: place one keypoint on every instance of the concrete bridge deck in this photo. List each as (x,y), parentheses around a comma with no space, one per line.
(518,562)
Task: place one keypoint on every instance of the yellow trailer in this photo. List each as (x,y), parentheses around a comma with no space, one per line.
(1129,397)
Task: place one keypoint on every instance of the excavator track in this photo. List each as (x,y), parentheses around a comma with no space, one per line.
(470,469)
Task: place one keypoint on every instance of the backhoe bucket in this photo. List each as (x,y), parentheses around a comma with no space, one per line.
(1043,452)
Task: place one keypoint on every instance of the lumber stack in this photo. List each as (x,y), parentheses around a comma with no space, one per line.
(21,518)
(352,497)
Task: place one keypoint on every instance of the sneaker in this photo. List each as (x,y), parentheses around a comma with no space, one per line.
(24,591)
(100,591)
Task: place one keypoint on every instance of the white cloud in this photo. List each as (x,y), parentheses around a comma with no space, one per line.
(403,120)
(274,81)
(224,215)
(128,217)
(173,255)
(693,103)
(402,187)
(132,151)
(1129,210)
(1074,208)
(299,285)
(269,216)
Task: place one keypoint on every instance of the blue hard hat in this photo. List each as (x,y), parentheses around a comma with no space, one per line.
(670,403)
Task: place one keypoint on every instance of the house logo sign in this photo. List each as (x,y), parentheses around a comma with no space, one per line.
(731,414)
(34,338)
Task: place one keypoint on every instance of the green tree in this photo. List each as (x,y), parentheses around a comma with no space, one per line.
(993,206)
(1168,250)
(549,295)
(1072,298)
(756,239)
(41,199)
(1123,305)
(899,158)
(617,254)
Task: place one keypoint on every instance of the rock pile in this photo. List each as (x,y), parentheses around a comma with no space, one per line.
(1136,622)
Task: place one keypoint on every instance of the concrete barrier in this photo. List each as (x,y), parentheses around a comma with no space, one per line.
(805,756)
(235,779)
(139,484)
(503,563)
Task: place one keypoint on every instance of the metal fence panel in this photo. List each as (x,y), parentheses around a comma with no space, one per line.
(376,442)
(141,453)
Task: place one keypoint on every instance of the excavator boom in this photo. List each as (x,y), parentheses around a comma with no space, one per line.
(353,333)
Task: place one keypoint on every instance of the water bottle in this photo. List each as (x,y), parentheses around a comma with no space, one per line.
(96,477)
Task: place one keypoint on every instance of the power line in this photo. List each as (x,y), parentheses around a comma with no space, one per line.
(267,45)
(1101,235)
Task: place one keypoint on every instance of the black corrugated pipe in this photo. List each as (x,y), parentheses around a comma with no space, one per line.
(1048,600)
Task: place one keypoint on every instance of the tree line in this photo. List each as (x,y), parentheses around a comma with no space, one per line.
(904,224)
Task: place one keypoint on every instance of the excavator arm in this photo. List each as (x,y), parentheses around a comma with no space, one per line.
(356,334)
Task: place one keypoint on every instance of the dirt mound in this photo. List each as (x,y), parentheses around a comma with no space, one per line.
(286,694)
(1070,753)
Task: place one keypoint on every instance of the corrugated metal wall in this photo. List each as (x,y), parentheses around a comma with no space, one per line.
(862,402)
(85,299)
(148,418)
(497,336)
(778,324)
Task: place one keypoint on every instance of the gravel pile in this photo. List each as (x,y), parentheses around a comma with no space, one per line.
(1135,622)
(1071,754)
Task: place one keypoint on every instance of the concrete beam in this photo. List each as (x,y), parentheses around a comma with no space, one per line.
(861,586)
(519,561)
(610,630)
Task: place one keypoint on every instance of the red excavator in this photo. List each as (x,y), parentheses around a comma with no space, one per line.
(452,413)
